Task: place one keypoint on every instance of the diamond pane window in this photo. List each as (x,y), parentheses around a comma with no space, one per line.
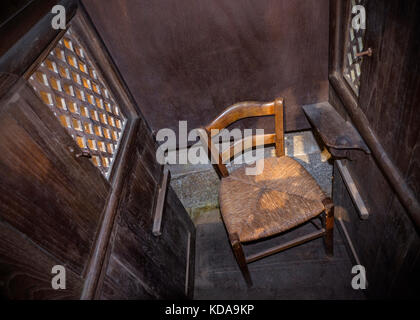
(70,86)
(354,45)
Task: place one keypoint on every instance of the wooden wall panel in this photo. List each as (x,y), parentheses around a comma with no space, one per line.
(388,243)
(157,266)
(390,90)
(52,202)
(25,270)
(189,59)
(45,192)
(121,283)
(27,24)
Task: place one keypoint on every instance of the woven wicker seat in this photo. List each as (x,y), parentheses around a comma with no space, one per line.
(282,197)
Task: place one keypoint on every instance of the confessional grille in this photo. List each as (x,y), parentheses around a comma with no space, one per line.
(354,45)
(71,87)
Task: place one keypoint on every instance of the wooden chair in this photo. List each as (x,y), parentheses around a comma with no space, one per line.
(282,197)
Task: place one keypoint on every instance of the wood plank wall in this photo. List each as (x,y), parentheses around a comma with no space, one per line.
(53,204)
(24,22)
(190,59)
(51,209)
(142,266)
(50,203)
(388,243)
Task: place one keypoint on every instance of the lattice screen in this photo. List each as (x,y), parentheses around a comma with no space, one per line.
(354,44)
(69,84)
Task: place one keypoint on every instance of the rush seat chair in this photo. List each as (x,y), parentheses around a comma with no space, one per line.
(283,196)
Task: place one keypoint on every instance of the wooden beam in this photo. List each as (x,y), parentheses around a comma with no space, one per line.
(287,245)
(97,258)
(279,125)
(160,202)
(352,189)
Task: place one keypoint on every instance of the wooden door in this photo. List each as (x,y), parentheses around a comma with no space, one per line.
(384,108)
(50,200)
(57,207)
(139,264)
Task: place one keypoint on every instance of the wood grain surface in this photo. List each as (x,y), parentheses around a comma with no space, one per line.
(189,59)
(388,241)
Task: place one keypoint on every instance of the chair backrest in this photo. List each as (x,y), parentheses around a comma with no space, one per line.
(239,111)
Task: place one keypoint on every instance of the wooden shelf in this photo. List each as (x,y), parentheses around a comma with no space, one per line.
(338,135)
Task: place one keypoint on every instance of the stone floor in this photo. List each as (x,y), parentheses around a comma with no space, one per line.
(302,272)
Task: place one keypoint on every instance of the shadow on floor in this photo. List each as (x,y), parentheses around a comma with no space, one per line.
(303,272)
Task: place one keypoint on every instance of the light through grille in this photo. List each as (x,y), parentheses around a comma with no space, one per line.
(69,84)
(354,44)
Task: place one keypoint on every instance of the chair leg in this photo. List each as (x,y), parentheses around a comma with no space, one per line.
(328,224)
(240,258)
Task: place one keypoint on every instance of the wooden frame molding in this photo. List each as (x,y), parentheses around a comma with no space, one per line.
(26,54)
(352,189)
(160,201)
(98,256)
(82,24)
(290,244)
